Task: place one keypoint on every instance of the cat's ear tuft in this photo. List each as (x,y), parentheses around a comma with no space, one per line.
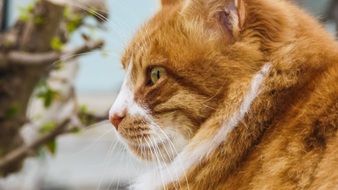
(228,14)
(232,17)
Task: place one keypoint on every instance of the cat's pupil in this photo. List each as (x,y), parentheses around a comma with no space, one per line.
(158,74)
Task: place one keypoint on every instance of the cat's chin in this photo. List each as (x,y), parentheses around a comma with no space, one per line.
(160,152)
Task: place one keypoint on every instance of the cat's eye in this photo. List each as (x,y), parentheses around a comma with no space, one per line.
(156,74)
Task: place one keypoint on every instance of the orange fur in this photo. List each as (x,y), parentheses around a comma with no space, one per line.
(288,139)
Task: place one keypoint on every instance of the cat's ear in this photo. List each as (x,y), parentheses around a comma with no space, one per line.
(229,15)
(169,2)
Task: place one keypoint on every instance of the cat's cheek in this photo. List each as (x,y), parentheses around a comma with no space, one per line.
(177,140)
(141,153)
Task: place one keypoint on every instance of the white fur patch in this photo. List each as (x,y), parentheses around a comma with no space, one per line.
(186,4)
(125,99)
(190,157)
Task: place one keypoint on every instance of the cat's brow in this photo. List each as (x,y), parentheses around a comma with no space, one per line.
(140,60)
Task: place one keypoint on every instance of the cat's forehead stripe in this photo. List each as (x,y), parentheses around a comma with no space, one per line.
(139,60)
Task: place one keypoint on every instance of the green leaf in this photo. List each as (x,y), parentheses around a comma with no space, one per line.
(73,25)
(24,17)
(83,115)
(75,130)
(73,20)
(39,20)
(52,146)
(12,111)
(47,94)
(47,128)
(83,109)
(56,44)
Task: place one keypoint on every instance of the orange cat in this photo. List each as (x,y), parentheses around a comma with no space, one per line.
(231,94)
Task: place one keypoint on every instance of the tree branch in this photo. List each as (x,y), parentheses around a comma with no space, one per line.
(21,153)
(25,58)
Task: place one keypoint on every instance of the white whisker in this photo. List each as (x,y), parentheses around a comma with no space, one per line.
(150,145)
(166,166)
(91,144)
(105,165)
(157,127)
(90,11)
(173,149)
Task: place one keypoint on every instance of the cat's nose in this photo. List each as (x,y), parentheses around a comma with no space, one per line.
(116,119)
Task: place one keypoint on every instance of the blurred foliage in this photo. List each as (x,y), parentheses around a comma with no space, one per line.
(52,146)
(47,127)
(26,12)
(39,20)
(46,94)
(73,19)
(12,111)
(85,116)
(59,65)
(56,44)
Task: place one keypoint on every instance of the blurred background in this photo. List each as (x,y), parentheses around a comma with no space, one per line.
(93,158)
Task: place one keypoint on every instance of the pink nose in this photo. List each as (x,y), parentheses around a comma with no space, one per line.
(116,119)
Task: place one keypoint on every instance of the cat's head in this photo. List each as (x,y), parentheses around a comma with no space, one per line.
(178,69)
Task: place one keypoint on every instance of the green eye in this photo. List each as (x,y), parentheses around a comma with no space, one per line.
(156,74)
